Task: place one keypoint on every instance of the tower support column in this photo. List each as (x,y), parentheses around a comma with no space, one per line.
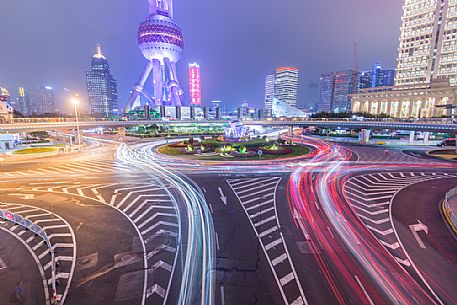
(157,81)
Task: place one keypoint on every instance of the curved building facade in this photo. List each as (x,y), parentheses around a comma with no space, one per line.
(161,42)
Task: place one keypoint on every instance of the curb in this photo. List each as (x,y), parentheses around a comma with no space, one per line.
(430,155)
(446,214)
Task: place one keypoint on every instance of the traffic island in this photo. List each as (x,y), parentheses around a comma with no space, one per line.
(443,154)
(230,152)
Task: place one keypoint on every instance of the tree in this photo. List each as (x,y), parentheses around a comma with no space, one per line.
(41,135)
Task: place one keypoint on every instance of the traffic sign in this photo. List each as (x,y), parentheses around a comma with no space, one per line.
(260,152)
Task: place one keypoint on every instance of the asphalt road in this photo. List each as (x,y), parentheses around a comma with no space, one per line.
(434,249)
(281,232)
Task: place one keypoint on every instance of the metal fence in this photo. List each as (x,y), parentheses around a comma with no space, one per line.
(38,231)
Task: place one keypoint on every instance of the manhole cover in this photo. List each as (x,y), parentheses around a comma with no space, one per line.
(88,261)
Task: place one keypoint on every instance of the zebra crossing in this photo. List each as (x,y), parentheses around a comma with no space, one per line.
(75,168)
(152,211)
(61,236)
(370,197)
(257,197)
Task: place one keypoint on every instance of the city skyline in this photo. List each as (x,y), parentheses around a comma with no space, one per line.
(222,75)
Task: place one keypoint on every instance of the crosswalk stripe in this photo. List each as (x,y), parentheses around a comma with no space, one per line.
(269,231)
(273,244)
(258,192)
(286,279)
(262,212)
(260,205)
(264,221)
(279,259)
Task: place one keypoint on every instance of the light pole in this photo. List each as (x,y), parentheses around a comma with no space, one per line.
(75,102)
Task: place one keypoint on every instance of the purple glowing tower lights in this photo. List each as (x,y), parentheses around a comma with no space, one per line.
(161,41)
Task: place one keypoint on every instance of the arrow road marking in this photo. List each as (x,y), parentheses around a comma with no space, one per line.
(417,228)
(405,262)
(223,197)
(2,264)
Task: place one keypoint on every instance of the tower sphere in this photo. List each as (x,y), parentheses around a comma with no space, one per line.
(159,37)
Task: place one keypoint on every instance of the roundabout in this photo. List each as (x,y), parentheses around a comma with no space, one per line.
(236,145)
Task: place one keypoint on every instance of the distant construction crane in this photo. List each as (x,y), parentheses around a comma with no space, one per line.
(356,70)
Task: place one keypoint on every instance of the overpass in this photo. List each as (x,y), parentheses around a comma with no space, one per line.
(427,125)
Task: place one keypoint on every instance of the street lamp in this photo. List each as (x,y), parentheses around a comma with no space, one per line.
(75,102)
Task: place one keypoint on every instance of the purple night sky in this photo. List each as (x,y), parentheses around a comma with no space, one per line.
(236,42)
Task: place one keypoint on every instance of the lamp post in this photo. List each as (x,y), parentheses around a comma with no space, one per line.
(75,102)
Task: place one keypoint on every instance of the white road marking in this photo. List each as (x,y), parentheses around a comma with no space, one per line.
(2,264)
(217,242)
(364,290)
(222,295)
(415,229)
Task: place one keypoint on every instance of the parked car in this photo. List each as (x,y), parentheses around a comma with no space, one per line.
(447,142)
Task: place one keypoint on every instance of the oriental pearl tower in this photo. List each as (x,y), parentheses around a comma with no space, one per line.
(161,41)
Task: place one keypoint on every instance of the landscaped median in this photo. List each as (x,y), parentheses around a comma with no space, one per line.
(221,150)
(34,150)
(443,154)
(449,209)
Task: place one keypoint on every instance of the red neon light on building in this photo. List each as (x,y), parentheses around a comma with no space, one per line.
(194,85)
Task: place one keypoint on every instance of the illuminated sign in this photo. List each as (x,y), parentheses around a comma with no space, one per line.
(194,84)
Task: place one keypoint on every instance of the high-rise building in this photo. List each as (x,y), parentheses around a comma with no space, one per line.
(335,91)
(101,87)
(387,78)
(377,77)
(312,95)
(365,80)
(23,102)
(326,91)
(269,92)
(286,85)
(195,85)
(48,100)
(427,43)
(161,41)
(344,86)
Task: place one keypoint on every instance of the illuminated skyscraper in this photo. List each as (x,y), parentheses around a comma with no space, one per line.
(194,85)
(335,90)
(101,87)
(344,86)
(23,102)
(377,77)
(48,100)
(427,42)
(326,90)
(161,41)
(286,85)
(269,93)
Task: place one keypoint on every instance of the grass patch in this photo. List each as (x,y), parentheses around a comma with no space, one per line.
(34,150)
(172,151)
